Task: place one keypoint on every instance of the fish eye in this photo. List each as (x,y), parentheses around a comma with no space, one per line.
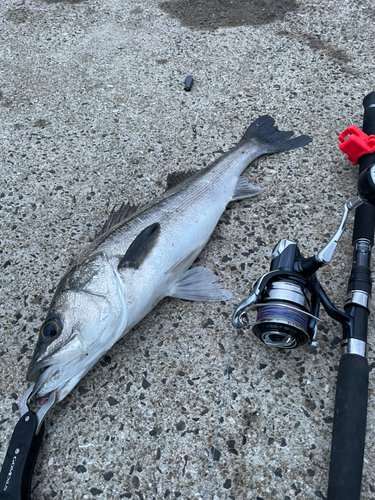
(50,330)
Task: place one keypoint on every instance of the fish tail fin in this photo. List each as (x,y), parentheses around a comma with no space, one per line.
(273,139)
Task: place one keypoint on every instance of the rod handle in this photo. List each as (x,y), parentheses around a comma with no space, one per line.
(349,428)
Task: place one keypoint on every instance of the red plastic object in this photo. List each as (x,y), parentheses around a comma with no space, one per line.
(356,143)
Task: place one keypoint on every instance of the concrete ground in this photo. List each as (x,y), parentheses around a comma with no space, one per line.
(93,113)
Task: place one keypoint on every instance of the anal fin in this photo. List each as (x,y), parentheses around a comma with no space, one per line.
(198,283)
(244,189)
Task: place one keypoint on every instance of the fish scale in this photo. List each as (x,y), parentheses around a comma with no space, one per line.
(139,259)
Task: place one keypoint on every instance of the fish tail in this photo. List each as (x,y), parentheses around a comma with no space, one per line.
(273,139)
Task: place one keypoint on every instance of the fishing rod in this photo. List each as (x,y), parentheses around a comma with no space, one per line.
(349,426)
(288,298)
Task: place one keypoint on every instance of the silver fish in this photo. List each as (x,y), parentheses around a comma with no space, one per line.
(140,258)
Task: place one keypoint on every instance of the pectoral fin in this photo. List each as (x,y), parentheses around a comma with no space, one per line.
(245,190)
(199,284)
(141,247)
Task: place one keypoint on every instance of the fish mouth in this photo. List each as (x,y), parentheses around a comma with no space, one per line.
(55,372)
(39,367)
(42,400)
(58,378)
(60,373)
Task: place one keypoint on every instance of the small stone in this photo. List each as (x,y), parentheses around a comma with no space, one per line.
(188,83)
(228,484)
(108,475)
(81,468)
(226,258)
(112,401)
(180,426)
(145,384)
(216,454)
(279,374)
(278,473)
(135,482)
(96,491)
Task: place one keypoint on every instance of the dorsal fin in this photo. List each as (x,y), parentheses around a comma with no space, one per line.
(141,247)
(176,178)
(116,216)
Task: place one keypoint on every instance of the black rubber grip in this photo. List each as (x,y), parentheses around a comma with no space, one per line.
(349,429)
(364,223)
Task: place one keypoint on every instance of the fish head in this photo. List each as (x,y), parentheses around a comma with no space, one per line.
(86,317)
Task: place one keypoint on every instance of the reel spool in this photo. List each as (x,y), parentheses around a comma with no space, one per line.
(284,316)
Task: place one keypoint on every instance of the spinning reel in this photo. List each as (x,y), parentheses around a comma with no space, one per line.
(288,297)
(287,301)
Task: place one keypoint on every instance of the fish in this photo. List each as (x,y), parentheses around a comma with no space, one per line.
(140,256)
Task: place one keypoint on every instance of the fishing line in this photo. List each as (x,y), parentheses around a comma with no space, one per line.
(220,413)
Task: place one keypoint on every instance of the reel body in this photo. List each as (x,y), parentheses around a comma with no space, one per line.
(287,300)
